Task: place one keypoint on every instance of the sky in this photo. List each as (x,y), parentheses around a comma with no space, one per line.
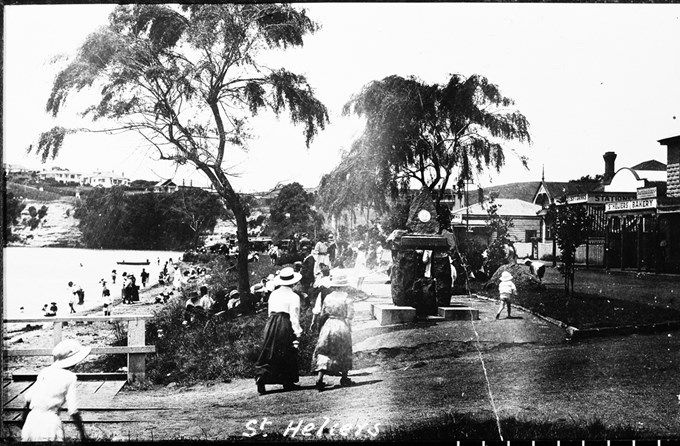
(589,78)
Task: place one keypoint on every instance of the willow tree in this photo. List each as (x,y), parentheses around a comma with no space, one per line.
(187,79)
(354,183)
(436,135)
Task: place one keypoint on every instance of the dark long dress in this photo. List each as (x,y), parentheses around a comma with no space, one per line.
(277,363)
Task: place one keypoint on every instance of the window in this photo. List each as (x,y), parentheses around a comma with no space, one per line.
(530,234)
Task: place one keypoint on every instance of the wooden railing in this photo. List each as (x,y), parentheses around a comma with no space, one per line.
(136,350)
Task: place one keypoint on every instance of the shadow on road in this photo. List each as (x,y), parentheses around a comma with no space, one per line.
(356,384)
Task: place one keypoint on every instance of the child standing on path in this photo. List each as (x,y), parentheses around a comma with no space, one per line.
(506,289)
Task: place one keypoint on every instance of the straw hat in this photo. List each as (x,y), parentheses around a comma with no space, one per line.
(338,280)
(506,276)
(68,353)
(288,276)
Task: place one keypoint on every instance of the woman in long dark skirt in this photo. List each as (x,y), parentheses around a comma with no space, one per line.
(277,363)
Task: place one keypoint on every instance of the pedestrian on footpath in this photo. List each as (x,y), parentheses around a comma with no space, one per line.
(277,363)
(506,289)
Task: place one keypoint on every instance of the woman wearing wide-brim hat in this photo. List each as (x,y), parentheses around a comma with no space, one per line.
(277,363)
(333,352)
(54,387)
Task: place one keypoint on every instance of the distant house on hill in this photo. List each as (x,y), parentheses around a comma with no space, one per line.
(61,175)
(104,180)
(165,186)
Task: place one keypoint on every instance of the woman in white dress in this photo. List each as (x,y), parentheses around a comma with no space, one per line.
(54,387)
(333,352)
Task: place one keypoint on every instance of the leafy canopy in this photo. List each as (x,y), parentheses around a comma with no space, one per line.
(292,211)
(187,79)
(437,135)
(111,219)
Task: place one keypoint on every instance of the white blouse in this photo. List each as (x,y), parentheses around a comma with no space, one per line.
(285,300)
(53,388)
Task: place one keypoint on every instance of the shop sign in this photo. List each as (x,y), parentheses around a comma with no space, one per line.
(573,199)
(597,198)
(646,192)
(649,203)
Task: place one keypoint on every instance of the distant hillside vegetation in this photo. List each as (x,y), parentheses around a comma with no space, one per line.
(32,193)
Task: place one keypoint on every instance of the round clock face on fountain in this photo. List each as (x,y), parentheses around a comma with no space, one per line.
(424,216)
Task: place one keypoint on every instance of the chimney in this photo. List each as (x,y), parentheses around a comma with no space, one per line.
(609,159)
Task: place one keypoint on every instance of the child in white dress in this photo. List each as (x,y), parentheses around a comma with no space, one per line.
(54,387)
(506,289)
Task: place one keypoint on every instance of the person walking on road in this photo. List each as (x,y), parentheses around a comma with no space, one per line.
(506,289)
(333,352)
(277,363)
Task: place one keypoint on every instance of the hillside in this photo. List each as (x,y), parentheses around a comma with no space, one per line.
(58,228)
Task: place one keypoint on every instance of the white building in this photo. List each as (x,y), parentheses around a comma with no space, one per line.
(61,175)
(105,180)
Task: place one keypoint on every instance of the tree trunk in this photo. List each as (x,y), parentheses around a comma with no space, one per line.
(242,260)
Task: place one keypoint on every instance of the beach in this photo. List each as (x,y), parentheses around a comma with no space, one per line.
(96,334)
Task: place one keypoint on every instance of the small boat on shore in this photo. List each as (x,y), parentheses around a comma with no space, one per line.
(133,263)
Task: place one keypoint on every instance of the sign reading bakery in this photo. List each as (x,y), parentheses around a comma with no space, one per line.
(632,205)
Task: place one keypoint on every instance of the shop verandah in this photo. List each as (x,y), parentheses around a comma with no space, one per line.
(647,240)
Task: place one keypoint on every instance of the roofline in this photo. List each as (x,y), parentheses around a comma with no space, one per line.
(669,140)
(637,177)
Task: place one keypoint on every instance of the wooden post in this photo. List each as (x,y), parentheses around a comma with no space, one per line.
(605,257)
(624,220)
(136,361)
(56,333)
(554,251)
(638,220)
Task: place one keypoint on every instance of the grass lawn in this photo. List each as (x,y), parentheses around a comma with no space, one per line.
(600,300)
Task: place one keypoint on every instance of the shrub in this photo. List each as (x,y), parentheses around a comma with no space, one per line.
(219,350)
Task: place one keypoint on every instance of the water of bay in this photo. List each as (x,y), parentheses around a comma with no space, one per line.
(33,277)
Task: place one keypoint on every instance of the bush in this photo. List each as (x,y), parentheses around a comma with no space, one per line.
(287,258)
(472,251)
(199,257)
(219,350)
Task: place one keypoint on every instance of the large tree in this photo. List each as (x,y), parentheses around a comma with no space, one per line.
(436,135)
(188,80)
(571,224)
(292,211)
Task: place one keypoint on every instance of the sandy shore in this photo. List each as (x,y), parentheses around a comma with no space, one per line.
(94,334)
